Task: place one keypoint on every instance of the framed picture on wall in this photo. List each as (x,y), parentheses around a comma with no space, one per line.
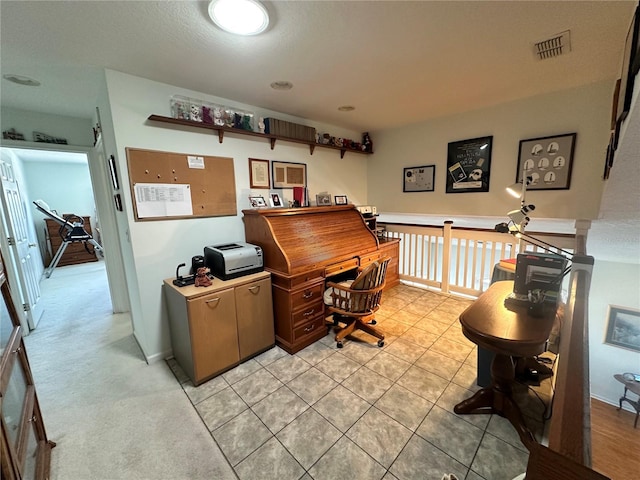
(547,161)
(419,179)
(288,174)
(469,165)
(623,327)
(258,173)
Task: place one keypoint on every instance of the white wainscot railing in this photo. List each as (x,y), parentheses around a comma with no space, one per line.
(467,255)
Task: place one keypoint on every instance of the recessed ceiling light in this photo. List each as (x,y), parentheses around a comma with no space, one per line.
(242,17)
(347,108)
(21,80)
(282,85)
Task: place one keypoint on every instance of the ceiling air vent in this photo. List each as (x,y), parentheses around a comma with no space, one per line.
(554,46)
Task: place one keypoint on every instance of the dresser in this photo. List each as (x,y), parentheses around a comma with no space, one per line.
(75,252)
(302,247)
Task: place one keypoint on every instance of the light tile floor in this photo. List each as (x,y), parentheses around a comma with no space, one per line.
(365,412)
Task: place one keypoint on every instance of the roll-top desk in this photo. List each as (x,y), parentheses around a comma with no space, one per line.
(301,248)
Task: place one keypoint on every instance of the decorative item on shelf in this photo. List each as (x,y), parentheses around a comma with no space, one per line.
(195,111)
(180,107)
(340,199)
(11,134)
(207,112)
(257,201)
(367,144)
(44,138)
(323,199)
(228,117)
(300,197)
(275,200)
(261,125)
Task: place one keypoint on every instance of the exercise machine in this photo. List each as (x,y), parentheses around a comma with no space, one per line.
(71,231)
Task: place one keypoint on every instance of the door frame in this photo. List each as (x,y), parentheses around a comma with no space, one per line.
(105,210)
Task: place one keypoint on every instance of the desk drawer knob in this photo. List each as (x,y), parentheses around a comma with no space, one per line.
(309,328)
(255,289)
(307,295)
(309,313)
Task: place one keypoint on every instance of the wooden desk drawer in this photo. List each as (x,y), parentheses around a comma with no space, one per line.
(369,258)
(307,329)
(308,312)
(341,267)
(303,297)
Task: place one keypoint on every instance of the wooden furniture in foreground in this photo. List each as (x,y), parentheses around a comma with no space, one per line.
(633,386)
(357,302)
(508,334)
(25,450)
(217,327)
(75,252)
(301,248)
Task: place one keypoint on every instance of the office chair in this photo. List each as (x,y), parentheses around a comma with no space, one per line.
(355,302)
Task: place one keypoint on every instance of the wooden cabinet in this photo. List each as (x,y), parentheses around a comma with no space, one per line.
(215,328)
(75,252)
(24,448)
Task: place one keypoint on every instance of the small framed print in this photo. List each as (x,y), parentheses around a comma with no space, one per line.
(257,201)
(258,173)
(340,199)
(623,327)
(419,179)
(323,200)
(275,200)
(547,162)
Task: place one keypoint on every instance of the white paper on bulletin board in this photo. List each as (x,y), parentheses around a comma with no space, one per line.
(163,200)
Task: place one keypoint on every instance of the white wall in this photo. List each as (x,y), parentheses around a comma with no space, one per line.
(157,247)
(585,110)
(64,186)
(77,131)
(611,284)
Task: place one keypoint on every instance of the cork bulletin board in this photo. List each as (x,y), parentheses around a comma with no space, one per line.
(166,185)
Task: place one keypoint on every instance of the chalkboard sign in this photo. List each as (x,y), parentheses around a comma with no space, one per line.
(468,165)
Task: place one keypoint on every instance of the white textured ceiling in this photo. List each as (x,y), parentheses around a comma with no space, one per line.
(397,62)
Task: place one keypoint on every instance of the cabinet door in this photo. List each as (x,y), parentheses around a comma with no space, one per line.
(255,317)
(214,333)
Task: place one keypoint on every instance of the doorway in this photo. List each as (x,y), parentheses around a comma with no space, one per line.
(62,179)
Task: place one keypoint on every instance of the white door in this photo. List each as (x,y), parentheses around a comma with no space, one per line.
(20,250)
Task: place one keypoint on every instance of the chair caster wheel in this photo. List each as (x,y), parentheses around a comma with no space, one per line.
(372,322)
(381,343)
(339,344)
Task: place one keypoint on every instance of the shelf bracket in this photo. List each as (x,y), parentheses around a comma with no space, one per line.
(220,135)
(342,152)
(311,149)
(273,143)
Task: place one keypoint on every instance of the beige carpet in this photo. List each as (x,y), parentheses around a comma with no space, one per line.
(112,415)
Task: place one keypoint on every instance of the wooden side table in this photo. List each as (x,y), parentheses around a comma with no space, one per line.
(633,386)
(508,334)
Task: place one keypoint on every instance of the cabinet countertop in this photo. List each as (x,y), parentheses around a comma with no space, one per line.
(191,291)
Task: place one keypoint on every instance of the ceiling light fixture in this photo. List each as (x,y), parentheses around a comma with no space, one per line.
(21,80)
(281,85)
(242,17)
(346,108)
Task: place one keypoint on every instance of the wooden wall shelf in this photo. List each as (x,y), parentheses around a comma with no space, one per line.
(272,138)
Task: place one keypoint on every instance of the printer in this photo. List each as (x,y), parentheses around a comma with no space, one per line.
(231,260)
